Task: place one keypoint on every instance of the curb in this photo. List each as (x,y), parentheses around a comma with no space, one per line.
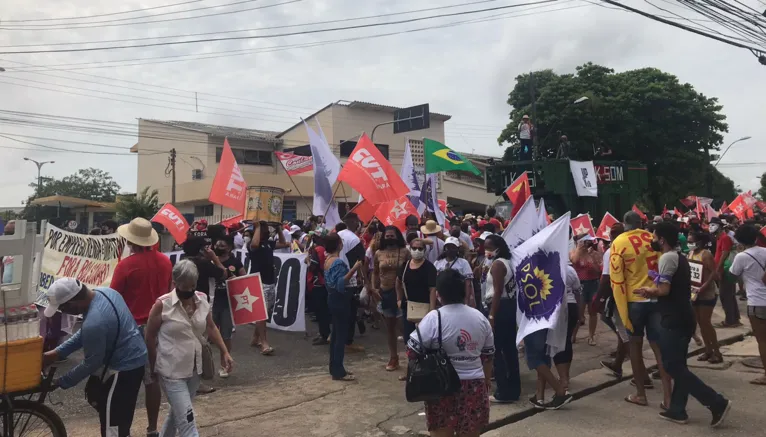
(531,411)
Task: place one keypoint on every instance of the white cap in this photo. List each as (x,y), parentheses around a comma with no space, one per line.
(61,292)
(294,229)
(452,240)
(485,234)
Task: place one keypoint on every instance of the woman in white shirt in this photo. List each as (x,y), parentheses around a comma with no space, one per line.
(750,265)
(468,341)
(450,259)
(174,331)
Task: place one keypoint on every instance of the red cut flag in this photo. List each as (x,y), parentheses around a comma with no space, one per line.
(295,164)
(742,206)
(395,212)
(364,211)
(246,300)
(606,226)
(229,187)
(761,205)
(582,225)
(639,212)
(518,192)
(689,201)
(173,221)
(369,173)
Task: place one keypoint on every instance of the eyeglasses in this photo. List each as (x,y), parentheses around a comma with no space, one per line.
(418,249)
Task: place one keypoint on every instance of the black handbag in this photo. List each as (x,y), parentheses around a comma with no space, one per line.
(431,376)
(95,385)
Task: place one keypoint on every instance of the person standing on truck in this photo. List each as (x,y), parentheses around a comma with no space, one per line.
(526,131)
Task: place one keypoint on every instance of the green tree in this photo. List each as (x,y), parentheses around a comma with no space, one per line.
(642,115)
(144,204)
(89,183)
(762,190)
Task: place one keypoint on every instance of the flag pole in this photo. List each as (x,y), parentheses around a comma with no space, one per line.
(329,204)
(295,185)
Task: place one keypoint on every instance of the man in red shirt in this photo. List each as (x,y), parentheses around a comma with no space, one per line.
(142,278)
(726,288)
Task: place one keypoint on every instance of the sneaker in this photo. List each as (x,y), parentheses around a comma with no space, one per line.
(720,415)
(617,373)
(495,400)
(558,402)
(223,373)
(681,419)
(539,404)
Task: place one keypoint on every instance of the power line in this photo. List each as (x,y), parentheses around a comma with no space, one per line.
(305,32)
(102,15)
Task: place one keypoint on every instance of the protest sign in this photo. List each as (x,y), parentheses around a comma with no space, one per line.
(246,301)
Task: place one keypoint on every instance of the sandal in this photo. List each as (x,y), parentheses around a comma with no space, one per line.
(663,407)
(634,399)
(591,341)
(726,325)
(268,351)
(392,365)
(705,357)
(347,378)
(715,358)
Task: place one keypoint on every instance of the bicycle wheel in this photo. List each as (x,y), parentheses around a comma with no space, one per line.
(33,419)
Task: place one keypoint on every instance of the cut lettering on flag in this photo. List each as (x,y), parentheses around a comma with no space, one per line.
(523,226)
(542,214)
(539,268)
(605,228)
(410,177)
(326,170)
(295,164)
(370,173)
(439,157)
(395,212)
(173,221)
(246,300)
(229,187)
(518,192)
(582,225)
(639,212)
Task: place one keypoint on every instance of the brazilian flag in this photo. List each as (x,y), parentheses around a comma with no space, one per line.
(439,157)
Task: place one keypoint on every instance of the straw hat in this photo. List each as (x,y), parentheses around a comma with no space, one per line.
(139,232)
(430,228)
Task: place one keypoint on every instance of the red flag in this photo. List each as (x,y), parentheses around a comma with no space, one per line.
(606,226)
(295,164)
(246,300)
(174,221)
(518,192)
(761,205)
(664,210)
(395,212)
(742,206)
(677,212)
(229,222)
(640,213)
(724,208)
(364,210)
(689,201)
(229,187)
(582,225)
(369,173)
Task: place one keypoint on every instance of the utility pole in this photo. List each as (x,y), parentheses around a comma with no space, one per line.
(535,142)
(173,176)
(708,174)
(39,180)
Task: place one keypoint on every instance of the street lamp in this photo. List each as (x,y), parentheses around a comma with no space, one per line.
(729,147)
(576,102)
(580,100)
(39,167)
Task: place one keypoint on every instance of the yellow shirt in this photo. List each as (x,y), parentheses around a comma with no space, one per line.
(630,260)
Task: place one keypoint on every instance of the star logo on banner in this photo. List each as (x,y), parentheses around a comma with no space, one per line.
(399,209)
(581,230)
(245,300)
(607,231)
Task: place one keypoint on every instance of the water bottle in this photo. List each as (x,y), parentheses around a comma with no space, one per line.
(33,326)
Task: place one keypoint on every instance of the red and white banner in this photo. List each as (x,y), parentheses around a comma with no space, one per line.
(295,164)
(370,173)
(605,228)
(173,221)
(229,187)
(395,212)
(518,192)
(582,225)
(246,300)
(640,213)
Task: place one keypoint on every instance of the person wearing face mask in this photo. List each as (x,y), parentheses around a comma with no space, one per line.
(176,326)
(247,237)
(387,261)
(705,294)
(450,259)
(221,310)
(727,286)
(113,348)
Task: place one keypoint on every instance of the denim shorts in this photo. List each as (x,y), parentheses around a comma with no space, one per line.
(759,312)
(222,318)
(535,348)
(589,290)
(645,320)
(387,305)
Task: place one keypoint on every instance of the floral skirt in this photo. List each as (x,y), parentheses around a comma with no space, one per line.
(465,412)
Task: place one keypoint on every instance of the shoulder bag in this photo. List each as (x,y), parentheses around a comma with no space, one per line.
(415,310)
(431,376)
(208,365)
(95,384)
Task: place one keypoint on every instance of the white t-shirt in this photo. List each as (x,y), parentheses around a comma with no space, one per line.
(466,335)
(605,262)
(572,284)
(525,131)
(288,240)
(434,251)
(460,264)
(465,238)
(751,271)
(239,241)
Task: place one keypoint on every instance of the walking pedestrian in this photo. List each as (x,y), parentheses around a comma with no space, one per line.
(388,260)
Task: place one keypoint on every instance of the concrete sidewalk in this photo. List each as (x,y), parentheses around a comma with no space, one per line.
(309,403)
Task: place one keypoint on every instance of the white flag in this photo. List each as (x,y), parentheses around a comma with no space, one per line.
(539,268)
(584,177)
(410,178)
(523,225)
(326,169)
(542,214)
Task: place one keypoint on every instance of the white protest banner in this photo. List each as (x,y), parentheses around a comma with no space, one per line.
(584,177)
(91,259)
(290,288)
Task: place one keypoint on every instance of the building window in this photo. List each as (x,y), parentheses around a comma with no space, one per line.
(247,156)
(203,210)
(346,147)
(300,151)
(289,210)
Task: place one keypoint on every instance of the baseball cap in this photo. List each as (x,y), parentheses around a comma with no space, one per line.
(61,292)
(452,240)
(294,229)
(485,234)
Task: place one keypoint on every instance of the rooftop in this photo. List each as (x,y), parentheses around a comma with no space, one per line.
(385,108)
(221,131)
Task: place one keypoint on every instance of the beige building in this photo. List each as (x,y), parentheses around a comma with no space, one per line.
(198,149)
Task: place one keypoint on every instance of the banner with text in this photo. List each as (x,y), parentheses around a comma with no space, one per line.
(290,288)
(89,258)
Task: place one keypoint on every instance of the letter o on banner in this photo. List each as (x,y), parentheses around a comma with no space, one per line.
(288,293)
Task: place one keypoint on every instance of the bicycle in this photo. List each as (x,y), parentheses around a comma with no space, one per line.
(21,416)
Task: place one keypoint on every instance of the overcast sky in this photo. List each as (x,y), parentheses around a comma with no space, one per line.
(464,70)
